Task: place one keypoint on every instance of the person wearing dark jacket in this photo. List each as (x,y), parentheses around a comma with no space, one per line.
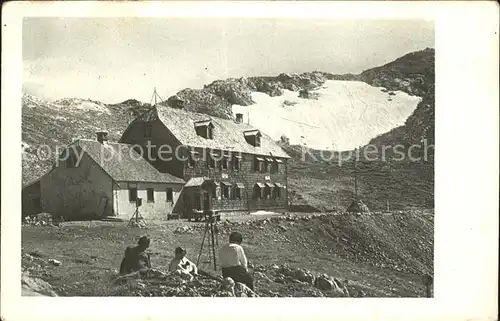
(136,258)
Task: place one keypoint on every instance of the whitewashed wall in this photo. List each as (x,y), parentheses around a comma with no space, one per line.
(82,190)
(160,208)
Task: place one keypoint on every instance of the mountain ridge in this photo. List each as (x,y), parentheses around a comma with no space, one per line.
(59,122)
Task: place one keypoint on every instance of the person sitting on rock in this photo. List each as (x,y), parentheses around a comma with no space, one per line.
(234,262)
(136,257)
(181,263)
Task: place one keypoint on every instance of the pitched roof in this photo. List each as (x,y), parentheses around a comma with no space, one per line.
(227,134)
(122,163)
(195,182)
(252,132)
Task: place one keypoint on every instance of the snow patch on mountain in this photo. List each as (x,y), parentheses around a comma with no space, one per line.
(342,116)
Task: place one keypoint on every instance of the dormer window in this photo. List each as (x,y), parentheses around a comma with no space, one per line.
(253,137)
(204,129)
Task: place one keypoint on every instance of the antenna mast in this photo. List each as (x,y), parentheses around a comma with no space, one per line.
(155,94)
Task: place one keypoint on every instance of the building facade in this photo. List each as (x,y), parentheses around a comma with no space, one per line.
(227,165)
(97,178)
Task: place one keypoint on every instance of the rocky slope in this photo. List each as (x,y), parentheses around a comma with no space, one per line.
(296,255)
(47,125)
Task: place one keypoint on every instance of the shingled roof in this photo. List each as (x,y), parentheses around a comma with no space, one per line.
(227,134)
(122,163)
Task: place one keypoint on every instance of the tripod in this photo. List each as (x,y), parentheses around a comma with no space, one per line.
(212,240)
(136,218)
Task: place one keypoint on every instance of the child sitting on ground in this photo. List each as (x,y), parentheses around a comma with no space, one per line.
(181,264)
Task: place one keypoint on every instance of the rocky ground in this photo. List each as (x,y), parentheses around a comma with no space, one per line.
(295,255)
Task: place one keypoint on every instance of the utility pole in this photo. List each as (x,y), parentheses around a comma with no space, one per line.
(355,173)
(389,178)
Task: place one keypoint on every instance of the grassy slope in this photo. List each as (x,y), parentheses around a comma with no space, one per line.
(382,255)
(327,185)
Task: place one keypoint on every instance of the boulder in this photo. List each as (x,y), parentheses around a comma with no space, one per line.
(260,275)
(334,286)
(298,274)
(31,286)
(182,230)
(241,290)
(357,206)
(324,283)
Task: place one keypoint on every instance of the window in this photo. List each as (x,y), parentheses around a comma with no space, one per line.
(151,195)
(265,165)
(258,164)
(132,194)
(211,159)
(266,193)
(258,191)
(191,161)
(211,163)
(196,201)
(236,163)
(204,129)
(224,163)
(214,191)
(274,168)
(224,188)
(170,196)
(237,190)
(277,191)
(253,137)
(237,193)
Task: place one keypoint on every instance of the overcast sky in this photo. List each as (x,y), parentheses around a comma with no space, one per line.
(114,59)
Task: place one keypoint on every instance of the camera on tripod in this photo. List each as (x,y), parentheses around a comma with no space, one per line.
(138,202)
(211,216)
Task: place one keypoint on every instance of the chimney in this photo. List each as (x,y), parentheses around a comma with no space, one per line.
(102,137)
(239,118)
